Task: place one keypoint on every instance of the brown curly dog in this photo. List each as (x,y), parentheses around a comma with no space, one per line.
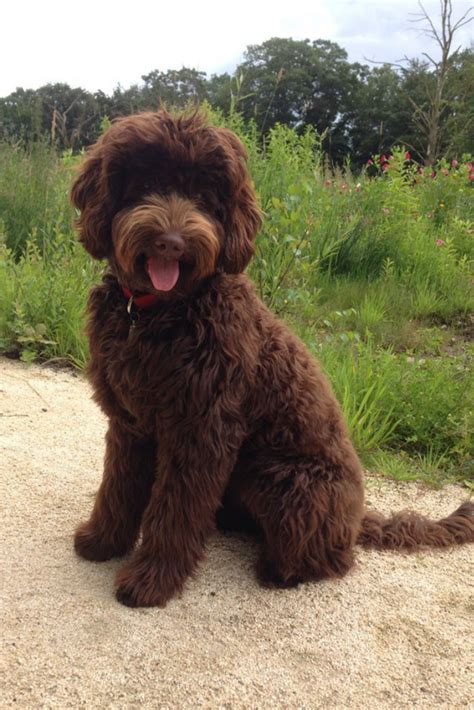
(216,410)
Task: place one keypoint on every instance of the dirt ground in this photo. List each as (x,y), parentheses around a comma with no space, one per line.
(396,632)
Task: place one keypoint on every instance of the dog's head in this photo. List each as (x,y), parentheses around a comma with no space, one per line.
(168,200)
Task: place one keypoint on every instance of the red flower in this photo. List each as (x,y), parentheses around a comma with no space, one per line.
(407,155)
(454,163)
(383,159)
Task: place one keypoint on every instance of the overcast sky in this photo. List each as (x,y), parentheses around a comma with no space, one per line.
(97,44)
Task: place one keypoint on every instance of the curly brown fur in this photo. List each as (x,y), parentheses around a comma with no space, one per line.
(216,410)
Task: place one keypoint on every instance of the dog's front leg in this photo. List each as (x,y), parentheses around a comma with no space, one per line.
(190,482)
(129,469)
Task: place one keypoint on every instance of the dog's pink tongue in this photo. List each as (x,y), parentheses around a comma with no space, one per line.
(163,273)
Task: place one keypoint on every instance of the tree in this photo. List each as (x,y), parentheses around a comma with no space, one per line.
(276,79)
(297,83)
(429,115)
(175,87)
(375,118)
(459,123)
(69,117)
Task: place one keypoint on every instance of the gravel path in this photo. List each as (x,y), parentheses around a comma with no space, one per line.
(396,632)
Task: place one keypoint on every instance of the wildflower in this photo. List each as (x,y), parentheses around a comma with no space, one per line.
(454,163)
(358,187)
(421,171)
(407,155)
(383,159)
(433,174)
(445,171)
(385,166)
(442,205)
(328,183)
(370,161)
(344,186)
(440,242)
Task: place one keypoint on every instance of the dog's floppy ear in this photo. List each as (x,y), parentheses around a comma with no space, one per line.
(89,195)
(244,216)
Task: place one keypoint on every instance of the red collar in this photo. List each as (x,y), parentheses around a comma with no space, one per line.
(146,300)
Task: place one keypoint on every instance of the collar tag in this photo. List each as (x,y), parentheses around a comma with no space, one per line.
(132,312)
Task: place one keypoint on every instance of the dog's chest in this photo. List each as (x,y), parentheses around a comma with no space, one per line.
(151,367)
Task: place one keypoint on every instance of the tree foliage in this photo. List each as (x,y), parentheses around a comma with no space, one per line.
(360,110)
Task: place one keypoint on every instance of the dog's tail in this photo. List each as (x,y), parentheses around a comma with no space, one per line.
(410,531)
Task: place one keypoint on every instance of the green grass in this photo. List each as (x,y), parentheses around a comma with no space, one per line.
(375,274)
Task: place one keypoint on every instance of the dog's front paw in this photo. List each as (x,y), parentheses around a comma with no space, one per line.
(92,545)
(270,576)
(144,583)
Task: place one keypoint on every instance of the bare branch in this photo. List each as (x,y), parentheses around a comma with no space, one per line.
(464,20)
(425,17)
(390,64)
(424,54)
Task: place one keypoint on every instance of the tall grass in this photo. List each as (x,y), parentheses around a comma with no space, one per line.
(34,186)
(375,273)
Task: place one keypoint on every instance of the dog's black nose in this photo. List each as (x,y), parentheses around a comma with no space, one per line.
(170,245)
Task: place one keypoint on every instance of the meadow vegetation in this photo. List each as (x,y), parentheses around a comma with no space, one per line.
(373,269)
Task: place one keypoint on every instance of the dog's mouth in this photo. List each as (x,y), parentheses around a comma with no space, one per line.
(163,273)
(165,245)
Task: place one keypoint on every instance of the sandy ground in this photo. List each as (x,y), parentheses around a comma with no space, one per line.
(396,632)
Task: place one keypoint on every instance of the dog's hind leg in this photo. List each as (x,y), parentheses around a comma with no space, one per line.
(310,517)
(114,525)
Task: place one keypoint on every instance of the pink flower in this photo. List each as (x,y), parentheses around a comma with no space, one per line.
(370,161)
(407,155)
(433,174)
(454,163)
(440,242)
(384,166)
(383,159)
